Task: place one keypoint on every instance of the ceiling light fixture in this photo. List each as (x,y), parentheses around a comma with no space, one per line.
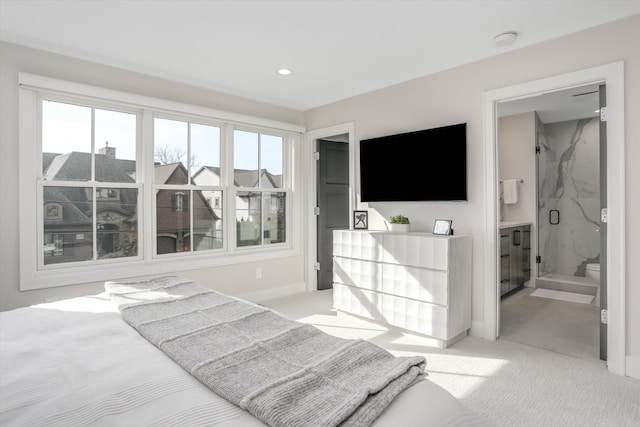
(505,39)
(285,71)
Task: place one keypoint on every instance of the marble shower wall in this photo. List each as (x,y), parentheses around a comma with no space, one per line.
(569,182)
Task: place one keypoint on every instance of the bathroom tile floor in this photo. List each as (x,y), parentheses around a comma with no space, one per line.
(560,326)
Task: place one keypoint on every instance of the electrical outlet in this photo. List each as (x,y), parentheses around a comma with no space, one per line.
(259,273)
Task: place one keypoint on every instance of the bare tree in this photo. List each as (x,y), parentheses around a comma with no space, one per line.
(166,155)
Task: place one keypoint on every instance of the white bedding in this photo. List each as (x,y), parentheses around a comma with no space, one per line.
(76,363)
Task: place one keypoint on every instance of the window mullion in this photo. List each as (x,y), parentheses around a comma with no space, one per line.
(94,218)
(146,161)
(94,191)
(40,222)
(191,191)
(93,145)
(230,226)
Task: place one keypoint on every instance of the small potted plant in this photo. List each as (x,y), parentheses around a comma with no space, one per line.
(400,223)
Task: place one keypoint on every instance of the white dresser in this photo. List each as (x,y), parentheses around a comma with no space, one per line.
(416,281)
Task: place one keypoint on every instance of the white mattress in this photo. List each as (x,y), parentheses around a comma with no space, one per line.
(77,363)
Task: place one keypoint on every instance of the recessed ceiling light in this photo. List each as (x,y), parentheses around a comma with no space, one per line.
(505,39)
(285,71)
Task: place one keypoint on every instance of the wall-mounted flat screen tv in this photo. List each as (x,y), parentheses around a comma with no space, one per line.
(426,165)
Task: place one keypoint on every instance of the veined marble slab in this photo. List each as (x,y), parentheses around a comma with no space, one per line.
(569,183)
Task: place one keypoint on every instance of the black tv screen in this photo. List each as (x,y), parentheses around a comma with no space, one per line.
(426,165)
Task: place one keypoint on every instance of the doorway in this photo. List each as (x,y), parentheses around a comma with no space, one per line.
(613,76)
(332,201)
(557,137)
(317,252)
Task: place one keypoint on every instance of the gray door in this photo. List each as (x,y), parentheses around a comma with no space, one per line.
(333,201)
(603,225)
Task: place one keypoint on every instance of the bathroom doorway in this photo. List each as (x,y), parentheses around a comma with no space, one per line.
(568,185)
(558,308)
(614,317)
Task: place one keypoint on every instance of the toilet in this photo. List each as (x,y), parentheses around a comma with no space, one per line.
(593,271)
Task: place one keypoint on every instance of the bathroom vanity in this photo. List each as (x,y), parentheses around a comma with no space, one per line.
(515,256)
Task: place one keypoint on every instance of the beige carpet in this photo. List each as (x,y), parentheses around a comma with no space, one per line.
(510,384)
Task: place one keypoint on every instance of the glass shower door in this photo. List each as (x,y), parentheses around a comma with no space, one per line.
(547,240)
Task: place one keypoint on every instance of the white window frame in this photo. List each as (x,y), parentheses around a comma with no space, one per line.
(32,276)
(287,184)
(191,188)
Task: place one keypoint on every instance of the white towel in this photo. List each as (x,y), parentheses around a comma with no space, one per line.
(510,191)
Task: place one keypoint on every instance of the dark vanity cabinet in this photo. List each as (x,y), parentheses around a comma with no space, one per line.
(515,257)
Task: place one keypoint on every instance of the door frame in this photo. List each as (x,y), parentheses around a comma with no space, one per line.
(612,75)
(311,192)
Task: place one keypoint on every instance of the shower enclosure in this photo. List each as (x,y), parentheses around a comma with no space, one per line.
(568,180)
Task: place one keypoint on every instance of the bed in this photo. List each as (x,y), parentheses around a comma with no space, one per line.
(84,361)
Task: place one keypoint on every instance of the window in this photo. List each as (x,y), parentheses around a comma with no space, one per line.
(130,185)
(83,218)
(186,174)
(258,170)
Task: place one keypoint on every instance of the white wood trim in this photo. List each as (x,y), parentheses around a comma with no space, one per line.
(29,163)
(613,76)
(311,225)
(62,86)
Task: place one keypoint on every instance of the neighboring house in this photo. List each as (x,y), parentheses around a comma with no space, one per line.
(210,176)
(253,208)
(173,228)
(68,210)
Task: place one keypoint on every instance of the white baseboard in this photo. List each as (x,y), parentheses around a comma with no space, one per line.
(632,367)
(271,293)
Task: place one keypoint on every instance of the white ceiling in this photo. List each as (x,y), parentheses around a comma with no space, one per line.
(337,49)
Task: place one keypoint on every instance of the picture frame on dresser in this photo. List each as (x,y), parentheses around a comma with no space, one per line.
(360,220)
(442,227)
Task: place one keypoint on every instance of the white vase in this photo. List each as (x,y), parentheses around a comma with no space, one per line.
(402,228)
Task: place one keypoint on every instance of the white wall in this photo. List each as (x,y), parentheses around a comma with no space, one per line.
(455,96)
(278,275)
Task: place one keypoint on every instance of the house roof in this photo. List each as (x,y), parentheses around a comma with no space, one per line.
(164,173)
(249,178)
(245,177)
(76,166)
(71,212)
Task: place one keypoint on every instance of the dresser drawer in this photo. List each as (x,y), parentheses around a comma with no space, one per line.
(354,272)
(356,301)
(357,244)
(416,251)
(415,283)
(422,317)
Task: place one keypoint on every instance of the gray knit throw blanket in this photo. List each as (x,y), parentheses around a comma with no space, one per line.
(283,372)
